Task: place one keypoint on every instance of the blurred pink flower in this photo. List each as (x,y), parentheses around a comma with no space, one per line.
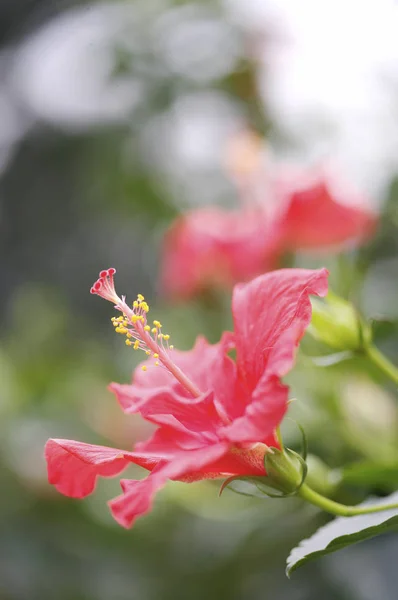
(212,247)
(287,211)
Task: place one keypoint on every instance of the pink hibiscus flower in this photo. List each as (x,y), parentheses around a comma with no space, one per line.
(215,417)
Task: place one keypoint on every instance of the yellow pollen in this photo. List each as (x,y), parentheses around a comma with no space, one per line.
(136,344)
(128,334)
(166,336)
(144,368)
(160,335)
(128,343)
(156,363)
(148,352)
(135,304)
(154,330)
(147,328)
(156,355)
(140,297)
(157,323)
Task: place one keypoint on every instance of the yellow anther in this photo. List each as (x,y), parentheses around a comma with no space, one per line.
(144,368)
(156,355)
(140,297)
(135,304)
(156,363)
(171,347)
(166,336)
(160,335)
(129,335)
(154,330)
(135,318)
(136,344)
(148,352)
(144,307)
(128,343)
(157,324)
(147,328)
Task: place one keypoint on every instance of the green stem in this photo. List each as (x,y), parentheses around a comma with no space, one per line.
(279,436)
(382,362)
(335,508)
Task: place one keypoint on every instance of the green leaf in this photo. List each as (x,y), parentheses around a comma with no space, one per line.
(344,531)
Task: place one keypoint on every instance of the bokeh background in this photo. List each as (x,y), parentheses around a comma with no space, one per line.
(114,117)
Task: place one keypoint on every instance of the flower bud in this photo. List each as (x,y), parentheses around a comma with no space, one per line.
(335,322)
(284,471)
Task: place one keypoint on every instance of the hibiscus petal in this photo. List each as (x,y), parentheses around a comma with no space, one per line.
(264,413)
(137,497)
(73,467)
(316,218)
(169,439)
(206,365)
(264,310)
(213,247)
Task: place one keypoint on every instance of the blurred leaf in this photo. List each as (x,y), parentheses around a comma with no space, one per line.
(383,327)
(371,474)
(344,531)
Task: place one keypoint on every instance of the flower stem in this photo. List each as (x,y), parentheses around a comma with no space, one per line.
(335,508)
(382,362)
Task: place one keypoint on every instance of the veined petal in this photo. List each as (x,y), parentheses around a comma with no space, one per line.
(137,497)
(206,365)
(264,310)
(170,439)
(198,415)
(262,416)
(73,467)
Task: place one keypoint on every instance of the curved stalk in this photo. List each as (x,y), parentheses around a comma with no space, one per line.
(382,362)
(335,508)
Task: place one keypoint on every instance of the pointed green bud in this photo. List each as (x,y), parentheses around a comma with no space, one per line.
(284,471)
(336,322)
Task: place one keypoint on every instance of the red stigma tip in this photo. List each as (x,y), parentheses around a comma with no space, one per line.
(104,286)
